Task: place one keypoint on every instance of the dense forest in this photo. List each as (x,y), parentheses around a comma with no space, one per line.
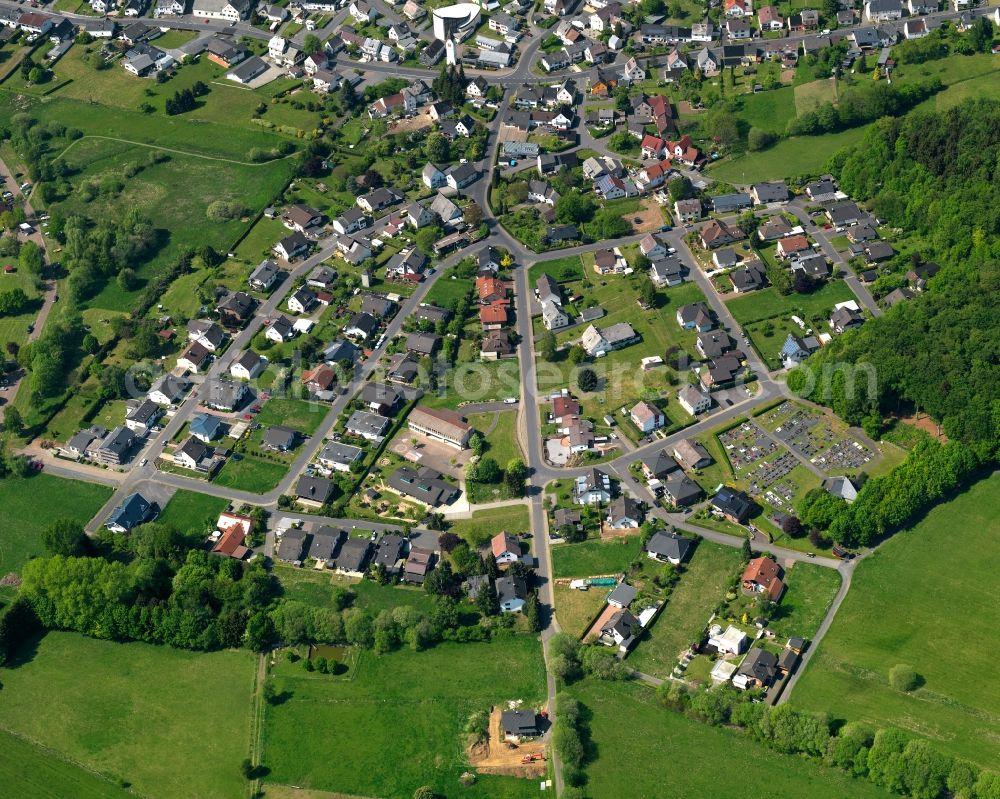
(936,175)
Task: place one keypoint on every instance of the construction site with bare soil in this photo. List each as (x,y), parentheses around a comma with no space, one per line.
(496,755)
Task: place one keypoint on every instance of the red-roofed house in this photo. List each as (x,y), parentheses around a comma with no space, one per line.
(790,245)
(763,575)
(769,19)
(234,531)
(492,291)
(738,8)
(506,548)
(493,317)
(653,147)
(564,408)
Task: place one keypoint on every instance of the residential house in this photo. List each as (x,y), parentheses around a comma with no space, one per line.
(769,19)
(370,426)
(680,490)
(496,345)
(668,548)
(302,300)
(206,427)
(770,192)
(362,325)
(624,512)
(750,277)
(168,389)
(319,381)
(313,492)
(352,560)
(339,457)
(248,366)
(693,400)
(758,669)
(620,630)
(512,592)
(796,349)
(592,488)
(223,395)
(264,276)
(506,548)
(647,417)
(690,454)
(134,510)
(291,247)
(717,233)
(280,330)
(695,316)
(732,504)
(195,358)
(598,342)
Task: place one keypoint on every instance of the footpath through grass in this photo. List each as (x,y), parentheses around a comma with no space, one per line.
(926,598)
(396,722)
(174,724)
(670,755)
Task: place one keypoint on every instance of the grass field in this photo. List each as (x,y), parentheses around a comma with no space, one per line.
(810,591)
(485,524)
(397,724)
(940,604)
(298,414)
(809,96)
(447,293)
(591,558)
(700,589)
(30,772)
(620,381)
(769,110)
(15,328)
(250,474)
(174,194)
(31,504)
(768,303)
(670,755)
(499,429)
(562,270)
(576,610)
(191,512)
(316,588)
(799,155)
(171,723)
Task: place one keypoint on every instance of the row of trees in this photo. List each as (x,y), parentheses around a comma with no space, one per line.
(863,103)
(884,504)
(888,757)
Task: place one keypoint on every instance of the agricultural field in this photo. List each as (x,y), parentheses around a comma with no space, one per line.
(170,723)
(192,513)
(848,675)
(701,587)
(716,762)
(395,724)
(31,772)
(33,503)
(485,524)
(592,558)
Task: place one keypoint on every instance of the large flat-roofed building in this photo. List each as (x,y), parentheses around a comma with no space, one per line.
(443,425)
